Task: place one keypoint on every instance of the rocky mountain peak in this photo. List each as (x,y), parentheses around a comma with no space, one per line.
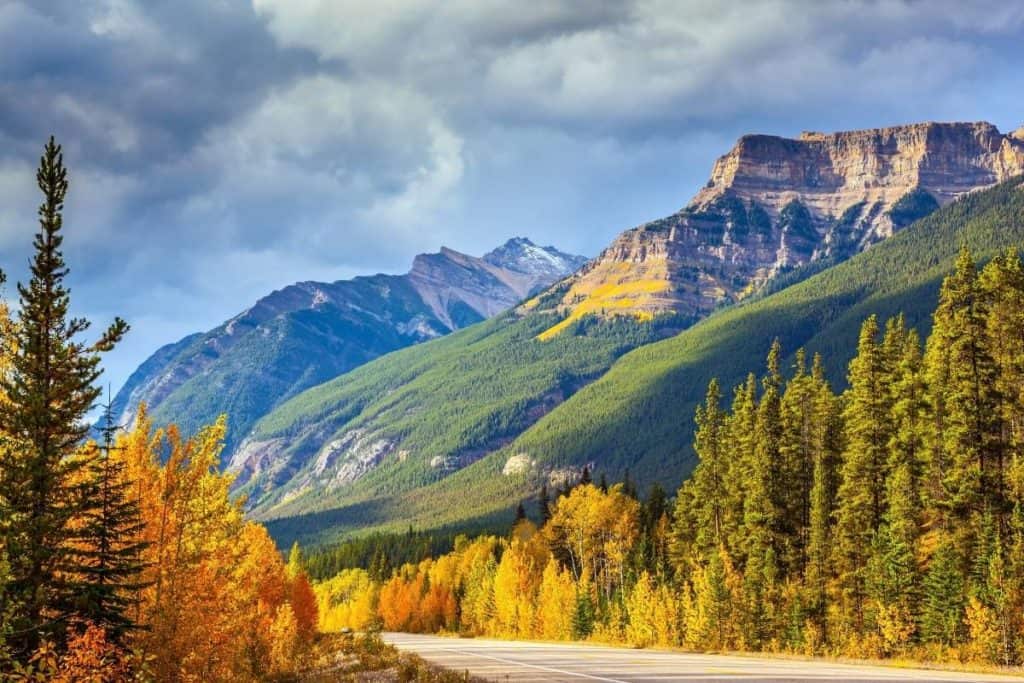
(520,254)
(773,203)
(451,283)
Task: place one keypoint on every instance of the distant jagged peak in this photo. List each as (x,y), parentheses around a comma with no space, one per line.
(522,255)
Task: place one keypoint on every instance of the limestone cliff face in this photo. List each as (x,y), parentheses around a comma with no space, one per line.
(774,203)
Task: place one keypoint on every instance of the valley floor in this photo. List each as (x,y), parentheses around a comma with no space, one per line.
(500,660)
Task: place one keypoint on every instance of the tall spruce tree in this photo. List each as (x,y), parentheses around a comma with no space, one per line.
(741,428)
(862,489)
(796,465)
(108,536)
(1002,282)
(759,509)
(826,448)
(51,387)
(973,430)
(709,477)
(942,606)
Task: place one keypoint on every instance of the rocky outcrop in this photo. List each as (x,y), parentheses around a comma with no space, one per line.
(773,204)
(460,289)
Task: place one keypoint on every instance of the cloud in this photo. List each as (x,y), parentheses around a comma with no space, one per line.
(336,162)
(222,148)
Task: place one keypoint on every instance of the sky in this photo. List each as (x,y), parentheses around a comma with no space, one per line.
(220,149)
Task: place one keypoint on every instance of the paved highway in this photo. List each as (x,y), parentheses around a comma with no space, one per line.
(500,660)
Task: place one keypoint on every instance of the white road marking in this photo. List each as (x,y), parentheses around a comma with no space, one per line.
(535,666)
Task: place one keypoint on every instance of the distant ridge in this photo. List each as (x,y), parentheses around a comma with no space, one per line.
(310,332)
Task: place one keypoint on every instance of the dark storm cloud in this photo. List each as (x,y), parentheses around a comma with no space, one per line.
(222,148)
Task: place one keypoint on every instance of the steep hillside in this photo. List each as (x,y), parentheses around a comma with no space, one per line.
(417,415)
(310,332)
(639,414)
(774,204)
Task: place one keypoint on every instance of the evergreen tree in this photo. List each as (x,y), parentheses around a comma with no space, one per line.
(826,446)
(759,512)
(50,390)
(973,428)
(768,436)
(654,508)
(710,476)
(520,514)
(1002,282)
(860,497)
(628,486)
(965,437)
(584,614)
(796,465)
(585,478)
(892,576)
(109,540)
(943,604)
(741,439)
(544,503)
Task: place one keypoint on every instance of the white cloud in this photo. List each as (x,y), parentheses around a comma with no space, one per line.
(340,163)
(650,62)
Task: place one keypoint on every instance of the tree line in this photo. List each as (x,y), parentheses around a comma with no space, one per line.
(122,556)
(886,520)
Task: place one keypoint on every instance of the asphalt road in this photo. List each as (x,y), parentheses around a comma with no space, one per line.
(500,660)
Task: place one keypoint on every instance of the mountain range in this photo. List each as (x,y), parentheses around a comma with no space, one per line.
(310,332)
(796,239)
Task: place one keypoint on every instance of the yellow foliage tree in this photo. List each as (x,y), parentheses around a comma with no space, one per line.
(555,603)
(595,531)
(215,583)
(347,600)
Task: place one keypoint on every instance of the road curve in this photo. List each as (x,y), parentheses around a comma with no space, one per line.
(499,660)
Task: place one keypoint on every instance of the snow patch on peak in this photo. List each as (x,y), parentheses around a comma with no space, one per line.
(521,255)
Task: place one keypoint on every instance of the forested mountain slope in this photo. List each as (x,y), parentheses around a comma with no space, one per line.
(310,332)
(639,414)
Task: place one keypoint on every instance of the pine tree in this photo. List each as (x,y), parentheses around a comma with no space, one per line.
(741,439)
(110,542)
(585,478)
(943,603)
(759,511)
(826,446)
(796,465)
(1002,282)
(544,503)
(520,514)
(50,390)
(860,498)
(583,616)
(964,440)
(628,486)
(892,575)
(893,580)
(973,426)
(709,477)
(768,435)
